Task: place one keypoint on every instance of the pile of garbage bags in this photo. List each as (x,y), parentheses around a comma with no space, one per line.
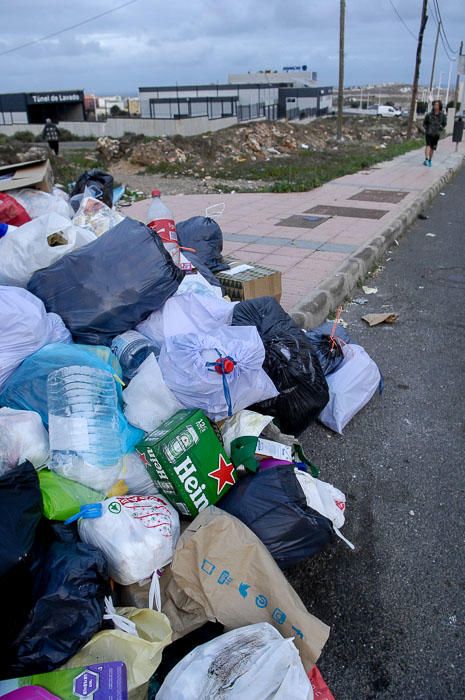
(152,480)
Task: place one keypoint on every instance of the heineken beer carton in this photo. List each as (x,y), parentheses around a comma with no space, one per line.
(187,462)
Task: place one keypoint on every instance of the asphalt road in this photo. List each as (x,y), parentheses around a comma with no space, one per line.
(396,605)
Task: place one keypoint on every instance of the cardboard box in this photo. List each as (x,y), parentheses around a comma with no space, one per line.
(187,462)
(256,281)
(104,681)
(35,173)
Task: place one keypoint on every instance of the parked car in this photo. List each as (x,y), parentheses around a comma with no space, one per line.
(387,111)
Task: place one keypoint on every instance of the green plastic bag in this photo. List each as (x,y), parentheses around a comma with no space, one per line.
(62,497)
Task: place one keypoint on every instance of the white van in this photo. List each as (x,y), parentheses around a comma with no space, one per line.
(387,111)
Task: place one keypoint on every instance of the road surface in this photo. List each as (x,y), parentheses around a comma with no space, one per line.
(396,604)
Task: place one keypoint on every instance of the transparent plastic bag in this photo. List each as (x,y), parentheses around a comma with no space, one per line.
(96,216)
(38,244)
(38,203)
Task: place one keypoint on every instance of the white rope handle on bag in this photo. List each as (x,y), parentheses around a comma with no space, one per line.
(154,592)
(120,622)
(215,210)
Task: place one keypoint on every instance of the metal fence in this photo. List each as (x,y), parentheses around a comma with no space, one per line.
(259,110)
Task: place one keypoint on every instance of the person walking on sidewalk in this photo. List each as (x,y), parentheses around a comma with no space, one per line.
(51,134)
(434,125)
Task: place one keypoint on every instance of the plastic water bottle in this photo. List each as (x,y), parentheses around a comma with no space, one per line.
(131,349)
(161,220)
(85,443)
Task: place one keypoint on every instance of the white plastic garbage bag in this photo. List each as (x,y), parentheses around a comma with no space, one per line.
(96,216)
(187,313)
(137,534)
(25,327)
(221,373)
(22,437)
(148,402)
(136,476)
(38,203)
(325,498)
(253,663)
(36,245)
(351,386)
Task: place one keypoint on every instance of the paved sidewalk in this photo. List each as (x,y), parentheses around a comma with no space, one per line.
(314,237)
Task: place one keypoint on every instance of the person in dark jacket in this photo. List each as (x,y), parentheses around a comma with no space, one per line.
(51,134)
(434,125)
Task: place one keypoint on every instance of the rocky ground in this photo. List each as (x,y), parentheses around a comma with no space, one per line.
(257,156)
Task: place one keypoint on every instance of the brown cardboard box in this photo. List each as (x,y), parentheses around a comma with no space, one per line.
(259,281)
(35,173)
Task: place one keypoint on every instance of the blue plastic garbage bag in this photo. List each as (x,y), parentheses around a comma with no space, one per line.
(27,387)
(110,285)
(272,504)
(327,342)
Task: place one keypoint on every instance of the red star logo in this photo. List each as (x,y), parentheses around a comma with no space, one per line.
(144,459)
(224,474)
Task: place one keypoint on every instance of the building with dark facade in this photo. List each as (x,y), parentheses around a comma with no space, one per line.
(36,107)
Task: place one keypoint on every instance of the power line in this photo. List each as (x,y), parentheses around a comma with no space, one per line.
(67,29)
(443,30)
(402,20)
(438,22)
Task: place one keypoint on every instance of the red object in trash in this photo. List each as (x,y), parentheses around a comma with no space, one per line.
(11,211)
(320,689)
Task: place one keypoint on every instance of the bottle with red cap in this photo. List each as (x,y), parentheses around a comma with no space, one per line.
(161,220)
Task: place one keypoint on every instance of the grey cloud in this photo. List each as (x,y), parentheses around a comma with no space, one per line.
(159,42)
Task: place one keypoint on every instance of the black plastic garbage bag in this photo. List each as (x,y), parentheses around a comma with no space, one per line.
(272,504)
(70,584)
(20,514)
(110,285)
(290,362)
(205,236)
(101,183)
(328,349)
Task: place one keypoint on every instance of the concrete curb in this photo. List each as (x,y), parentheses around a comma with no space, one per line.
(314,309)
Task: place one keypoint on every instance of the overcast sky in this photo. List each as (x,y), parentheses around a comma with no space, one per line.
(161,42)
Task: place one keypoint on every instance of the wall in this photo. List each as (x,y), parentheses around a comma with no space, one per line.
(116,127)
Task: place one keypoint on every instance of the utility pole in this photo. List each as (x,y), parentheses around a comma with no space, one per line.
(457,84)
(416,75)
(430,93)
(340,94)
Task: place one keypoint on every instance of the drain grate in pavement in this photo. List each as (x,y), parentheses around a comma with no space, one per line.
(302,221)
(357,213)
(379,196)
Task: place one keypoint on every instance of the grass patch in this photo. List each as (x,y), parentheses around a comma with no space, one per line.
(68,167)
(308,170)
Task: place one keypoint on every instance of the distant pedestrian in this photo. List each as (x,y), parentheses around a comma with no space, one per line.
(51,134)
(434,125)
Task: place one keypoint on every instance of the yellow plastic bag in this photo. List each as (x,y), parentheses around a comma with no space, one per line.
(142,655)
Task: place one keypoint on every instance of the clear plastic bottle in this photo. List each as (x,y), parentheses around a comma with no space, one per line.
(85,442)
(161,220)
(132,348)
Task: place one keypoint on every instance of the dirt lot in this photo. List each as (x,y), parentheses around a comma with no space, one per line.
(258,156)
